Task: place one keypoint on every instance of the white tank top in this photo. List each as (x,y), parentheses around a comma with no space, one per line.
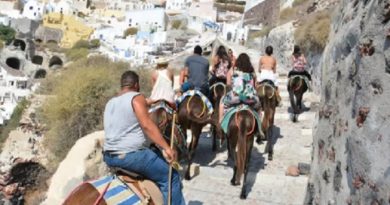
(163,89)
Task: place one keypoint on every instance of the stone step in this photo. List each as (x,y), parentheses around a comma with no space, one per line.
(306,116)
(308,132)
(264,188)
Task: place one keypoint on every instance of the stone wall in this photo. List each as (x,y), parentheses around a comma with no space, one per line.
(266,13)
(351,161)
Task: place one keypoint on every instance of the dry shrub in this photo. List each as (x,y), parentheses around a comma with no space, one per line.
(81,92)
(288,14)
(130,31)
(299,2)
(313,34)
(176,24)
(1,44)
(75,54)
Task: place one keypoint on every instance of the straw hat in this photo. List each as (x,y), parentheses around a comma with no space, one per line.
(162,62)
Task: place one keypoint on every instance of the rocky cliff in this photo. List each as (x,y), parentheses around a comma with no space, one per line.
(351,161)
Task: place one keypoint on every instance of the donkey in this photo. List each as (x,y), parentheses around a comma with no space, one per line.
(267,94)
(296,88)
(240,136)
(193,115)
(145,191)
(217,91)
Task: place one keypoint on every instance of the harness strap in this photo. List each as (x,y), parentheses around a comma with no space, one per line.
(270,86)
(203,109)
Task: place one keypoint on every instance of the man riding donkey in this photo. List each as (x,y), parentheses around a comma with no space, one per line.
(239,117)
(194,107)
(128,127)
(299,81)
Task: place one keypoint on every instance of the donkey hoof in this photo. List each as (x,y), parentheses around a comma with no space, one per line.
(270,157)
(234,183)
(243,196)
(187,177)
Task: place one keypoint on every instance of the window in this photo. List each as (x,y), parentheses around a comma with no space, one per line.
(31,8)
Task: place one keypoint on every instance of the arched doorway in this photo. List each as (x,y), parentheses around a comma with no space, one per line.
(55,61)
(37,60)
(19,43)
(39,74)
(13,63)
(229,36)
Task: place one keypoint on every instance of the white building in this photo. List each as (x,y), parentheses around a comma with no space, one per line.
(202,15)
(177,5)
(13,88)
(150,20)
(62,6)
(4,19)
(129,5)
(33,10)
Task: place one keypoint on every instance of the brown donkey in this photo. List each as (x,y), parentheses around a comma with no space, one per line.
(296,88)
(217,91)
(268,98)
(193,115)
(146,191)
(242,129)
(163,116)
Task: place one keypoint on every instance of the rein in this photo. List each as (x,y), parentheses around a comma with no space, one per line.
(253,126)
(203,109)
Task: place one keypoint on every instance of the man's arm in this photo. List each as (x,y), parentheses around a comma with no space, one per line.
(275,64)
(171,76)
(260,63)
(183,75)
(149,127)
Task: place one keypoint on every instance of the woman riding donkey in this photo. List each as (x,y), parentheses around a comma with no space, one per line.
(162,81)
(241,121)
(221,66)
(299,63)
(299,81)
(241,80)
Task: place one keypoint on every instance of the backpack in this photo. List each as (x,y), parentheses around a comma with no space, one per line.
(222,69)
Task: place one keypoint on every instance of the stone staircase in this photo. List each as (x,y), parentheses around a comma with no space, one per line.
(267,181)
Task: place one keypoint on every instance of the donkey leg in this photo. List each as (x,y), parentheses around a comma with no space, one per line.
(214,133)
(233,180)
(194,143)
(269,146)
(244,183)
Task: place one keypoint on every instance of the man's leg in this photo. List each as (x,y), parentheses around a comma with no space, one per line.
(152,166)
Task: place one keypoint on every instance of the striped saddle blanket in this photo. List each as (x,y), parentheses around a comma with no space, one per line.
(115,192)
(191,93)
(163,105)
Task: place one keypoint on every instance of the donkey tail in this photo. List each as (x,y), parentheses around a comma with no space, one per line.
(244,129)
